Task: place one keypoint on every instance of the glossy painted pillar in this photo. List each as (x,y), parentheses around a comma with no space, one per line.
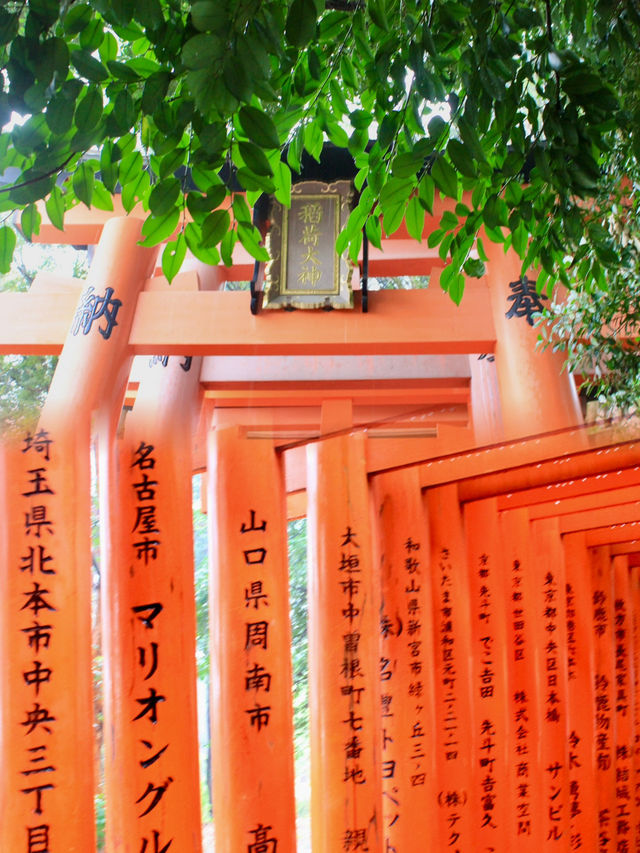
(410,807)
(346,707)
(583,794)
(251,710)
(47,711)
(492,796)
(455,738)
(626,805)
(537,394)
(604,718)
(152,789)
(550,612)
(525,695)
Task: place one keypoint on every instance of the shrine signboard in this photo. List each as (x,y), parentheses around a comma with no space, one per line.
(305,270)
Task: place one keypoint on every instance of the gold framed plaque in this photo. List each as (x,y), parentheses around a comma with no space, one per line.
(305,270)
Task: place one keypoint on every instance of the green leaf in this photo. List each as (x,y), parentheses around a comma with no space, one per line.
(313,139)
(60,114)
(214,227)
(163,196)
(54,206)
(426,192)
(130,167)
(456,288)
(77,17)
(89,67)
(89,109)
(393,216)
(7,245)
(173,256)
(102,198)
(461,158)
(237,77)
(250,239)
(373,228)
(155,89)
(82,182)
(259,127)
(156,229)
(194,237)
(241,211)
(135,190)
(415,218)
(474,267)
(209,15)
(445,177)
(203,51)
(396,191)
(283,183)
(252,182)
(30,220)
(255,158)
(301,22)
(149,13)
(376,11)
(226,247)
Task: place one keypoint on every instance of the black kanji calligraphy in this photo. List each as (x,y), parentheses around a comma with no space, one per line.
(35,560)
(38,675)
(93,308)
(244,528)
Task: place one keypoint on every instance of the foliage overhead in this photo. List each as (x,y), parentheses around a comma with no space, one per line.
(159,98)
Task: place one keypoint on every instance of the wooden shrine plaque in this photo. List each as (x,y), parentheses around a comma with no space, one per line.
(305,270)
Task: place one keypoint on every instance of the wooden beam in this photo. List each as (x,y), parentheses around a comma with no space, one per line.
(219,323)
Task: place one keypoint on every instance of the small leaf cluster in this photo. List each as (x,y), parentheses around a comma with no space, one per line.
(520,114)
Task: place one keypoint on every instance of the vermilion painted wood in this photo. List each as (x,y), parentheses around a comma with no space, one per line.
(456,740)
(525,683)
(626,722)
(536,393)
(251,714)
(220,323)
(634,580)
(151,750)
(561,493)
(84,381)
(551,625)
(604,716)
(493,803)
(410,805)
(46,733)
(344,652)
(580,652)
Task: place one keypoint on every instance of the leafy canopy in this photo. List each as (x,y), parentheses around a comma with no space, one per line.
(157,98)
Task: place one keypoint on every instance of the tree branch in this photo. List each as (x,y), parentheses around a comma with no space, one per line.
(43,177)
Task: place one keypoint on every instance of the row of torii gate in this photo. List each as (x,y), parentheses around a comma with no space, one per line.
(474,569)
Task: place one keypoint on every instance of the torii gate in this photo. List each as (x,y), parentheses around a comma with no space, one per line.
(431,618)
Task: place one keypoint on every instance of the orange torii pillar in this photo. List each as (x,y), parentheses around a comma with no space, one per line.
(525,660)
(251,682)
(583,793)
(47,784)
(604,771)
(152,790)
(626,806)
(635,635)
(492,797)
(537,394)
(456,736)
(550,613)
(345,705)
(410,809)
